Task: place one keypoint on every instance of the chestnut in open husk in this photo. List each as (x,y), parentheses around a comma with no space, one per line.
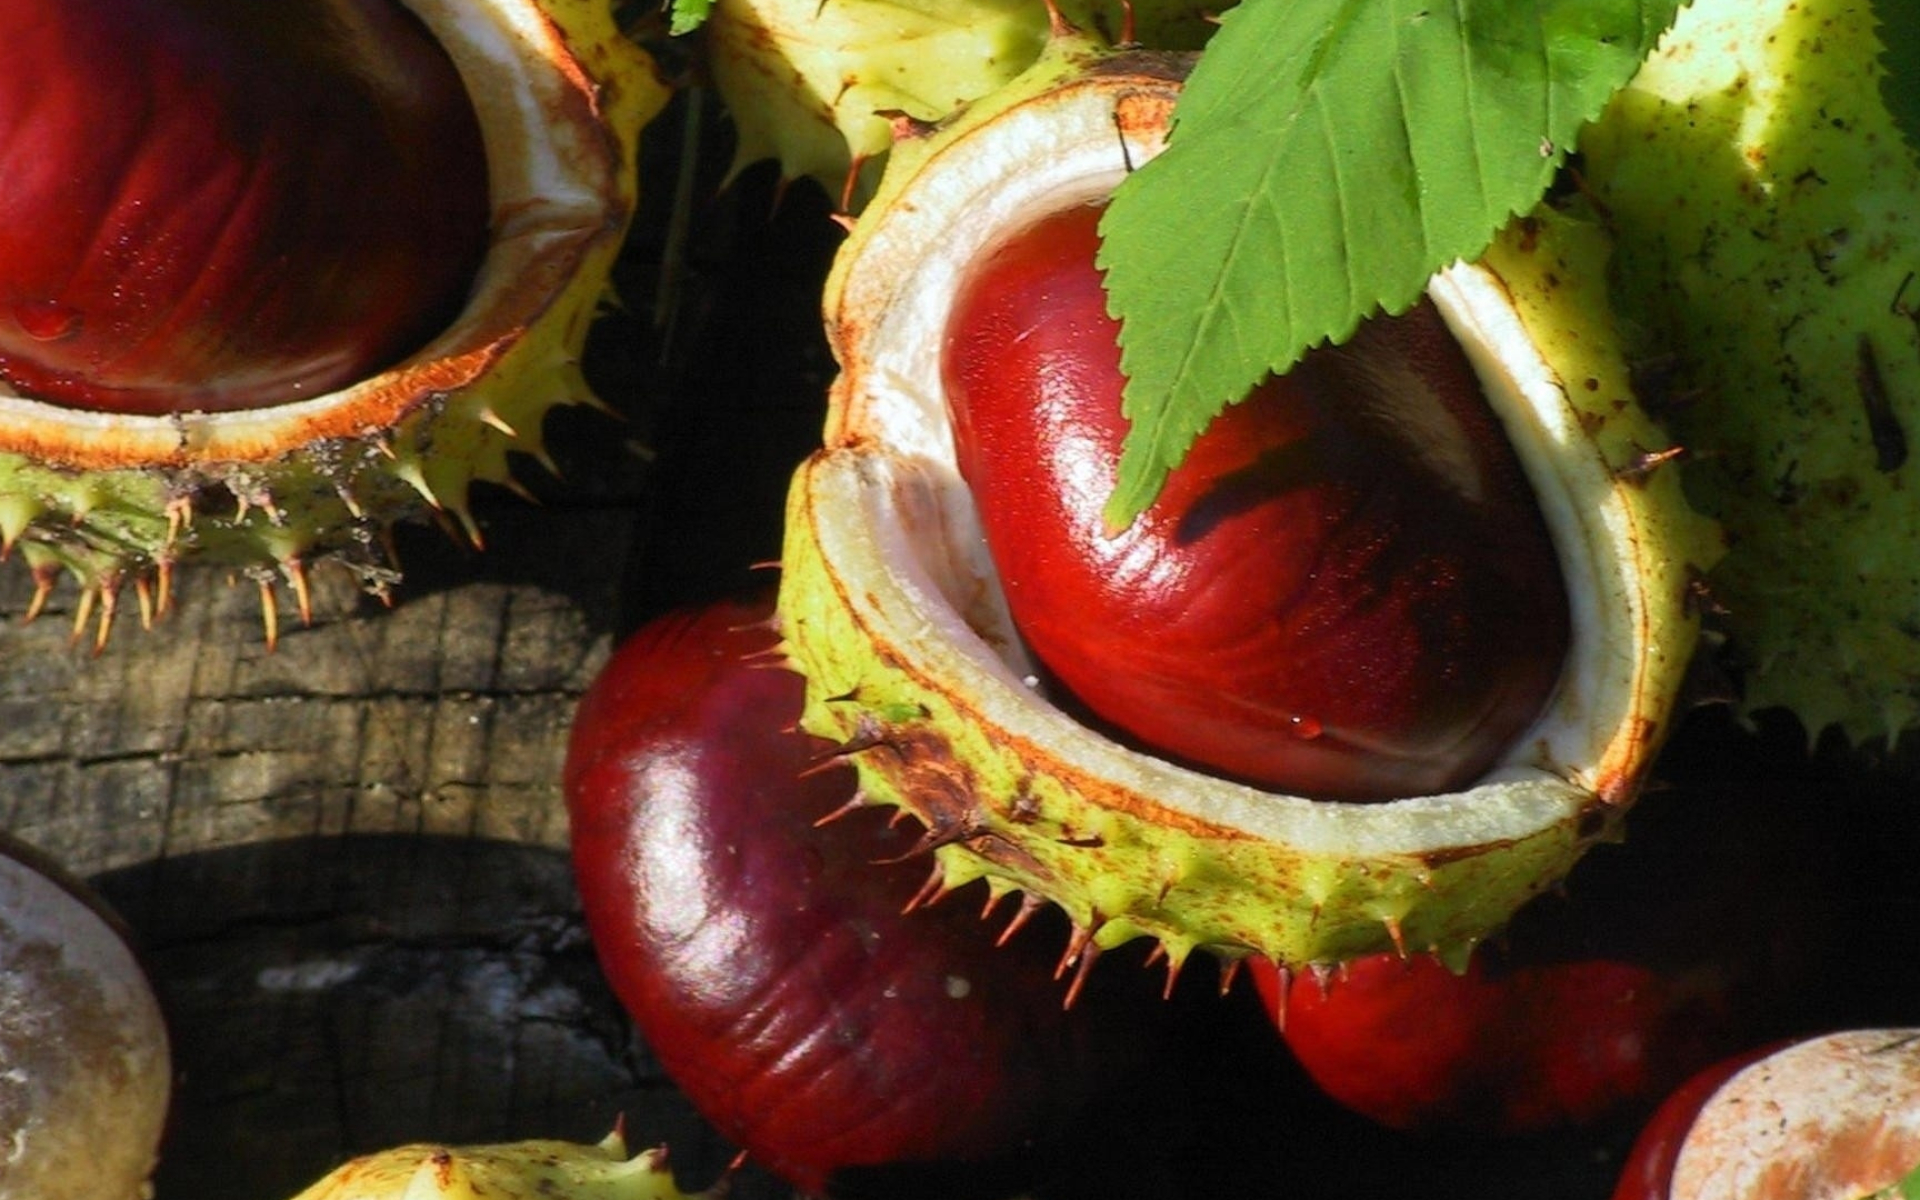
(341,274)
(917,670)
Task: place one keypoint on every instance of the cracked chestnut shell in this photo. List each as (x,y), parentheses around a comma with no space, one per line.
(891,608)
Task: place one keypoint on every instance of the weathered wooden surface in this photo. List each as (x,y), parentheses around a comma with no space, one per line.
(435,717)
(345,856)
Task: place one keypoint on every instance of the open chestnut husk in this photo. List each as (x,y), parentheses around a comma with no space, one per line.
(892,607)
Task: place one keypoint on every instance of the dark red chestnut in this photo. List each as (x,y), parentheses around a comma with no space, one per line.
(769,960)
(220,204)
(1648,1174)
(1345,590)
(1413,1045)
(1701,936)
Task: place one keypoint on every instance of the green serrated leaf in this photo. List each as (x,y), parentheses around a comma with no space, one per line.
(1900,64)
(1327,157)
(1907,1189)
(687,15)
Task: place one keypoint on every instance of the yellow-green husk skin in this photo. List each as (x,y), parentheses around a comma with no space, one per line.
(1767,219)
(527,1170)
(111,499)
(816,85)
(889,609)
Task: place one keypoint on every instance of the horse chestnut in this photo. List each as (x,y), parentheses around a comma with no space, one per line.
(892,607)
(1345,591)
(217,205)
(1699,937)
(765,955)
(84,1051)
(1648,1174)
(1836,1114)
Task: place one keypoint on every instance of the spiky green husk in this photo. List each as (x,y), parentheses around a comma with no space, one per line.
(529,1170)
(814,85)
(113,500)
(889,607)
(1767,215)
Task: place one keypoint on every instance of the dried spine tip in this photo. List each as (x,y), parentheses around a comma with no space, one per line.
(855,804)
(1282,988)
(1396,936)
(1084,961)
(296,574)
(269,613)
(1648,461)
(1030,904)
(1079,946)
(143,593)
(930,891)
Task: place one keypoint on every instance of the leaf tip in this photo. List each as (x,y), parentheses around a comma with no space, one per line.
(1131,497)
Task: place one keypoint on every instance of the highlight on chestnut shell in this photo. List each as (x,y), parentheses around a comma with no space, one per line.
(317,472)
(1345,590)
(892,607)
(1764,193)
(779,946)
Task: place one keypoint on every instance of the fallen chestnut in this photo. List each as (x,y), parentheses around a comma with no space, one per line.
(1704,934)
(1346,589)
(216,205)
(1836,1114)
(84,1052)
(1648,1173)
(764,951)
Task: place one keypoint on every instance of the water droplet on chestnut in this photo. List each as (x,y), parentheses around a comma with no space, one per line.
(47,320)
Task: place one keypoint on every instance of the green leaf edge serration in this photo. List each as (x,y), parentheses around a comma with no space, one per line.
(1425,129)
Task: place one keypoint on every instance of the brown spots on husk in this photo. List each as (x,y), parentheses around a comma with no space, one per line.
(945,794)
(1832,1116)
